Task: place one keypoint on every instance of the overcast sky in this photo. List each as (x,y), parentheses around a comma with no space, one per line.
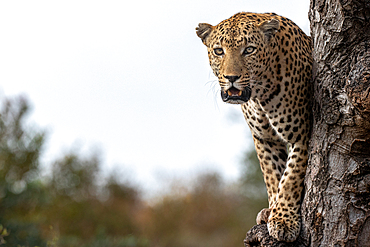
(130,78)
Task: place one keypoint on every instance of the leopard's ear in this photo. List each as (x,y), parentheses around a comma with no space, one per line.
(269,28)
(203,31)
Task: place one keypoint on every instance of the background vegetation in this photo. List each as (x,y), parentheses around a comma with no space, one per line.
(76,205)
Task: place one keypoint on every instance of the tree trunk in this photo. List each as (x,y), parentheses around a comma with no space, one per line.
(336,205)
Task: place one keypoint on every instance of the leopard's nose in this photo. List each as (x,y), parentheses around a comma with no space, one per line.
(232,78)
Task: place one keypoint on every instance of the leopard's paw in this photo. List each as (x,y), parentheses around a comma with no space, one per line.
(284,228)
(263,216)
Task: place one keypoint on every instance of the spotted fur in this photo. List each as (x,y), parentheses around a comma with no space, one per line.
(263,62)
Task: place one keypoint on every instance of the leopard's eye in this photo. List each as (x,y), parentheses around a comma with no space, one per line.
(218,51)
(249,50)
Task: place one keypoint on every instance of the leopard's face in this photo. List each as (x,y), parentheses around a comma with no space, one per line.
(235,62)
(239,55)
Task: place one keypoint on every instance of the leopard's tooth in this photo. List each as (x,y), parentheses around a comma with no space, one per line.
(229,93)
(240,93)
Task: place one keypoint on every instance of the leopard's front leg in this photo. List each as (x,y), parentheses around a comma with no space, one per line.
(272,156)
(284,222)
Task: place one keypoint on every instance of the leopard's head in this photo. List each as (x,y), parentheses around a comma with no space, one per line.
(239,51)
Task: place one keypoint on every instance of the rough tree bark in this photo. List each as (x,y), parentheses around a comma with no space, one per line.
(336,205)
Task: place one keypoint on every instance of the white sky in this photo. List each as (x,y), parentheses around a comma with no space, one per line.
(129,77)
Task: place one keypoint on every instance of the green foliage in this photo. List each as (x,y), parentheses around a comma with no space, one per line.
(77,206)
(78,211)
(20,193)
(3,233)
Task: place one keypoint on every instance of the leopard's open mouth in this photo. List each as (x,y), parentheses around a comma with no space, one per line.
(236,96)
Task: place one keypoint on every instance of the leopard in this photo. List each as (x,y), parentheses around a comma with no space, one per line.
(263,62)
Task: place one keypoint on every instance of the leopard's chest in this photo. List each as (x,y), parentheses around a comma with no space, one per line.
(258,121)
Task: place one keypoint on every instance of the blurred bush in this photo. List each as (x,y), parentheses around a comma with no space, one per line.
(207,212)
(21,193)
(76,206)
